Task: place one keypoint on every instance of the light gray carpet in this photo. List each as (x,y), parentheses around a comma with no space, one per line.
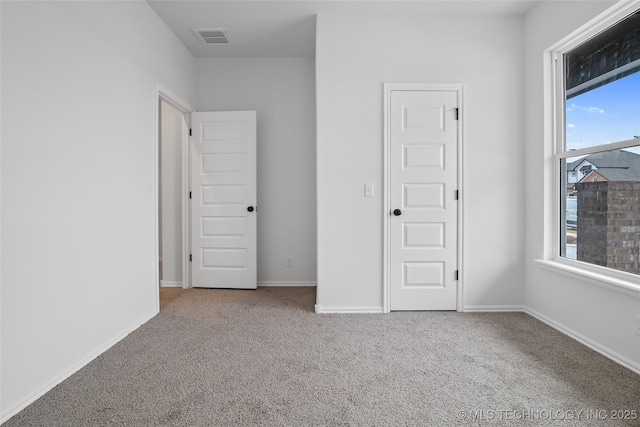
(225,357)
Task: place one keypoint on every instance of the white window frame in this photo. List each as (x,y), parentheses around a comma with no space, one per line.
(621,281)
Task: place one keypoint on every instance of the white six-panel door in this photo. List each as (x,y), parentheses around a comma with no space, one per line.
(223,200)
(422,185)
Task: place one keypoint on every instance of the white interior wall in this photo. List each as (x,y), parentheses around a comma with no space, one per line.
(354,58)
(79,142)
(171,194)
(282,91)
(605,319)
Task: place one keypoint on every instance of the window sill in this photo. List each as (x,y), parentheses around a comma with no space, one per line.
(627,287)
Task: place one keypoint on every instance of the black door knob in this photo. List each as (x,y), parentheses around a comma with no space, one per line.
(397,212)
(250,208)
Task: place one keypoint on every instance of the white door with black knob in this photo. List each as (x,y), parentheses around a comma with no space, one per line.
(422,148)
(223,200)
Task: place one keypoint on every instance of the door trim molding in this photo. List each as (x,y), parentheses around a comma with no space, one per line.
(164,94)
(386,270)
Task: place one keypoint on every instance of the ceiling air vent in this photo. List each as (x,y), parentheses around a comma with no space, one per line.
(212,36)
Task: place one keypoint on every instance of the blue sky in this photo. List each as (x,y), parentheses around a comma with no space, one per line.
(606,114)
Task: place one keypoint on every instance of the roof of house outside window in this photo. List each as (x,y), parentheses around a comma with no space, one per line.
(614,165)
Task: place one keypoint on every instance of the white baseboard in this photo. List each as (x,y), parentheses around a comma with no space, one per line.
(607,352)
(44,388)
(287,284)
(364,310)
(165,284)
(492,308)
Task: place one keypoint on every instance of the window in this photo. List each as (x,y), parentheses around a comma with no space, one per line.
(598,147)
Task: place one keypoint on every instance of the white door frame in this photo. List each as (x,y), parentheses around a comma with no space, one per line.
(386,270)
(166,95)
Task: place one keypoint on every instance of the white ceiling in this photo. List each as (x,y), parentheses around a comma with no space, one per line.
(267,28)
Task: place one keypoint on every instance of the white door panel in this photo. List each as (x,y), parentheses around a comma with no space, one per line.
(423,140)
(223,191)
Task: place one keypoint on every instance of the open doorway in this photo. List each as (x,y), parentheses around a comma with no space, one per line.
(172,138)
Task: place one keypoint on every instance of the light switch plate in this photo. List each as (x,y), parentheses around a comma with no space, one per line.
(368,190)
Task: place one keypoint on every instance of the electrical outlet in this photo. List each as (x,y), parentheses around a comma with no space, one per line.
(289,262)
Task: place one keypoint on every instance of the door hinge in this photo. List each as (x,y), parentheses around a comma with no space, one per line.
(457,274)
(190,258)
(457,113)
(189,194)
(457,194)
(190,132)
